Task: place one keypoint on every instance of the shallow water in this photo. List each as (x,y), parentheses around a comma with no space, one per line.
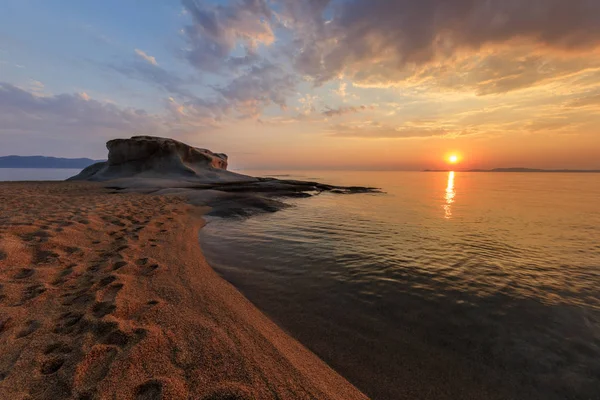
(449,285)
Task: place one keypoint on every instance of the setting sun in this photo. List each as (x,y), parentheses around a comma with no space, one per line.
(453,159)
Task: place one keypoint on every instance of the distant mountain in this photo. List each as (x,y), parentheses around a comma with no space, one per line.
(44,162)
(523,170)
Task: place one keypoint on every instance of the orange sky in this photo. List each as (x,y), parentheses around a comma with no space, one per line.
(363,84)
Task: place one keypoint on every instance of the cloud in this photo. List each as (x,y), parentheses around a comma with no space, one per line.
(36,87)
(69,117)
(76,124)
(377,40)
(374,130)
(244,97)
(157,76)
(216,32)
(146,57)
(589,100)
(549,124)
(501,70)
(259,87)
(338,112)
(341,91)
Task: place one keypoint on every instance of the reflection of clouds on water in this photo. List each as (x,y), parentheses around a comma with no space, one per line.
(450,194)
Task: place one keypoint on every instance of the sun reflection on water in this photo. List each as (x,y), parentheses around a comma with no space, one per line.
(450,194)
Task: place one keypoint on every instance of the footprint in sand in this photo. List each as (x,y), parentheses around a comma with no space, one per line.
(151,390)
(111,293)
(118,265)
(94,268)
(94,367)
(103,308)
(102,328)
(59,347)
(62,276)
(5,324)
(117,338)
(68,322)
(51,366)
(72,250)
(81,298)
(121,248)
(40,236)
(30,327)
(149,269)
(31,292)
(24,273)
(107,281)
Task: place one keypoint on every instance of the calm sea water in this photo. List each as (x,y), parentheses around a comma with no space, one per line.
(447,286)
(36,174)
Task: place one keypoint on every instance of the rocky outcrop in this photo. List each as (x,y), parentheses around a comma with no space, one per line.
(154,165)
(156,157)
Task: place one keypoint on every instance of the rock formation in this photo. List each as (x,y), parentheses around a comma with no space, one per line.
(161,166)
(156,157)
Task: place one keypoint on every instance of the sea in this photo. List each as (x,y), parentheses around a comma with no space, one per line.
(447,285)
(37,174)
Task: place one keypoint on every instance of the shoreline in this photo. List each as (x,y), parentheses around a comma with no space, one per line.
(101,298)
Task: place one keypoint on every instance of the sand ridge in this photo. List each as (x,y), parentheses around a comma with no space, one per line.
(108,296)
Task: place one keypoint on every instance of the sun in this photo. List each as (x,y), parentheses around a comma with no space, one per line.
(453,159)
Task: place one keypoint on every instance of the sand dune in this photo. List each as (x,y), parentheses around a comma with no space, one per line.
(108,296)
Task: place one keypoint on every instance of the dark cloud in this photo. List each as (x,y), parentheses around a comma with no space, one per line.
(367,37)
(217,30)
(338,112)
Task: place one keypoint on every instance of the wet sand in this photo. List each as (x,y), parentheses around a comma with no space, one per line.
(108,296)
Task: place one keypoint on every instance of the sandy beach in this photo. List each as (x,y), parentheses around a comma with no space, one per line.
(108,296)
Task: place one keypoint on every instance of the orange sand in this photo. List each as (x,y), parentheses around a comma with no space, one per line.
(108,296)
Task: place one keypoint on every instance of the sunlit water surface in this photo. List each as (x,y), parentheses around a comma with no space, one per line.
(447,286)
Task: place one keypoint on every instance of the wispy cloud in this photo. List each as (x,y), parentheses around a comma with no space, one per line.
(375,130)
(146,57)
(338,112)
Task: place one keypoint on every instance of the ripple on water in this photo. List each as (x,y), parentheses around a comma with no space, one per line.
(504,291)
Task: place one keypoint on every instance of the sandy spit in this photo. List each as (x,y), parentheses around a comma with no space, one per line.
(108,296)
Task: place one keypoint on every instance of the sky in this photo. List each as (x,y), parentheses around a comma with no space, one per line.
(307,84)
